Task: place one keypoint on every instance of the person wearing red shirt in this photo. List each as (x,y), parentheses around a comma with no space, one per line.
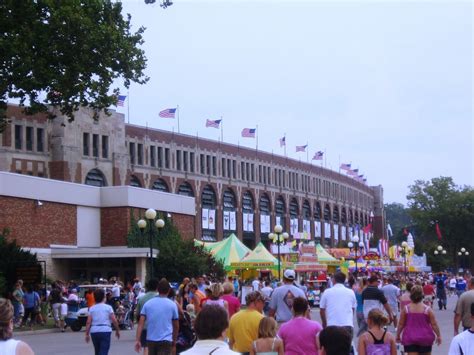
(232,301)
(429,293)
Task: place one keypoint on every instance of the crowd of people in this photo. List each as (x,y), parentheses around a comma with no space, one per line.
(204,316)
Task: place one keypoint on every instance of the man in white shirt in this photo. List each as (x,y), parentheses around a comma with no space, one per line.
(452,284)
(267,293)
(338,304)
(392,294)
(256,284)
(73,297)
(463,343)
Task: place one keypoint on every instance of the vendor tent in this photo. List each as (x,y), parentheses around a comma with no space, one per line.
(259,258)
(229,250)
(324,257)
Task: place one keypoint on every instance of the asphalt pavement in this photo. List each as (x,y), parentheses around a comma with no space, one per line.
(71,343)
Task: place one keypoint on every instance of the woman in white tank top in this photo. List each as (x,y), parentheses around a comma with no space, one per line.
(9,346)
(217,290)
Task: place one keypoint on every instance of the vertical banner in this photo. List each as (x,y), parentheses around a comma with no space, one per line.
(317,229)
(293,226)
(244,222)
(205,218)
(344,233)
(336,232)
(306,226)
(327,230)
(233,221)
(212,219)
(268,223)
(226,220)
(278,220)
(250,222)
(264,223)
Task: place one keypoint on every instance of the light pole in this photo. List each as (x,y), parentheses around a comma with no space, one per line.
(439,251)
(404,252)
(150,215)
(463,254)
(278,238)
(356,246)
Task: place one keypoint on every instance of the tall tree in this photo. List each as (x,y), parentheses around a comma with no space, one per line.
(441,201)
(399,218)
(66,54)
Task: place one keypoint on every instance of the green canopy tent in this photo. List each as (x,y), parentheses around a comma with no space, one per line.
(259,258)
(324,257)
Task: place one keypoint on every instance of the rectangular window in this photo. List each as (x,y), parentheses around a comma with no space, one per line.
(223,167)
(191,162)
(39,139)
(18,137)
(229,165)
(105,147)
(260,174)
(234,169)
(167,158)
(152,155)
(247,171)
(203,164)
(242,171)
(160,157)
(29,138)
(214,166)
(85,144)
(95,145)
(178,160)
(208,164)
(185,161)
(131,150)
(140,154)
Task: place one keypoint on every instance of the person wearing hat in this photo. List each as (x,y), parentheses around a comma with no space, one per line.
(281,302)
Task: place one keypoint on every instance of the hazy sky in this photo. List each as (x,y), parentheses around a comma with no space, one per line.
(384,85)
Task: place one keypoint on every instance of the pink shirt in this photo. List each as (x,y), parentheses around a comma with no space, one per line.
(299,336)
(234,304)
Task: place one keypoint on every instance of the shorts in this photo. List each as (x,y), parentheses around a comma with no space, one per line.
(417,349)
(56,311)
(143,339)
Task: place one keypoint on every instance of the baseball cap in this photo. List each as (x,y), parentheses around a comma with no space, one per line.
(289,274)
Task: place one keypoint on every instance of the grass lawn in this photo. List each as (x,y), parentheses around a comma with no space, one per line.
(49,325)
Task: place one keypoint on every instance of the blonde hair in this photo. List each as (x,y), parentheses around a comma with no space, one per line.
(267,328)
(6,315)
(377,317)
(190,308)
(228,288)
(216,290)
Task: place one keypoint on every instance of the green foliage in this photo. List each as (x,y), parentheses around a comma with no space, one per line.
(399,218)
(66,54)
(11,255)
(441,200)
(177,258)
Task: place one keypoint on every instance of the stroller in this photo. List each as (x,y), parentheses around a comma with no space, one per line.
(186,335)
(124,317)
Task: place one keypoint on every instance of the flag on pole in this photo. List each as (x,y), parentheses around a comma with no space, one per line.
(318,155)
(368,228)
(213,123)
(389,231)
(345,167)
(121,100)
(168,113)
(438,231)
(353,172)
(283,142)
(301,148)
(249,132)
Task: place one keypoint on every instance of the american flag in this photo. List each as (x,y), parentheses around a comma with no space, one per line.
(168,113)
(282,141)
(318,155)
(213,123)
(249,132)
(353,172)
(345,166)
(301,148)
(121,100)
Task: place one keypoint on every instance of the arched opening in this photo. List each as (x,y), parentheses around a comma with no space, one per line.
(327,224)
(186,189)
(248,208)
(344,223)
(264,207)
(294,212)
(95,177)
(229,208)
(280,211)
(208,214)
(160,185)
(306,219)
(135,182)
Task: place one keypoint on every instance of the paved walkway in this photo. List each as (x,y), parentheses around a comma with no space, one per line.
(70,343)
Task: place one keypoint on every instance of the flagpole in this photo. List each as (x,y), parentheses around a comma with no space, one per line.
(128,106)
(256,136)
(177,111)
(339,163)
(325,160)
(222,130)
(307,152)
(284,144)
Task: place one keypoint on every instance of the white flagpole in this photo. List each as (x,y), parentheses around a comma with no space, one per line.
(307,152)
(128,106)
(222,130)
(256,136)
(325,159)
(177,111)
(284,146)
(339,163)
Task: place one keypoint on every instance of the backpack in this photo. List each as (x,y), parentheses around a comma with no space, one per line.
(440,283)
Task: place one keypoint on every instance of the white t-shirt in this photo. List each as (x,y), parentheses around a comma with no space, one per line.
(339,302)
(100,314)
(116,291)
(267,292)
(8,347)
(452,283)
(462,344)
(256,285)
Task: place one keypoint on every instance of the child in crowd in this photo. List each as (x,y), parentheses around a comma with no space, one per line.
(191,312)
(377,341)
(267,342)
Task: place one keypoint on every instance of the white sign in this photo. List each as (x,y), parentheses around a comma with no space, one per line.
(336,232)
(327,230)
(343,232)
(205,218)
(293,226)
(233,221)
(278,221)
(212,219)
(265,223)
(248,222)
(226,220)
(306,226)
(317,229)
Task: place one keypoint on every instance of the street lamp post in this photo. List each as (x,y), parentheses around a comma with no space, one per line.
(356,246)
(150,215)
(278,238)
(439,250)
(463,254)
(404,252)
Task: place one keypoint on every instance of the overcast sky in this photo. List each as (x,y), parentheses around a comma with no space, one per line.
(384,85)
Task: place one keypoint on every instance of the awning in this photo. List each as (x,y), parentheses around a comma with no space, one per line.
(101,252)
(310,267)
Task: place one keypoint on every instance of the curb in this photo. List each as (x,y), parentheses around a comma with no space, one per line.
(39,331)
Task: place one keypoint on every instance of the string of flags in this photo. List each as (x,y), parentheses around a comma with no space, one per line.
(353,173)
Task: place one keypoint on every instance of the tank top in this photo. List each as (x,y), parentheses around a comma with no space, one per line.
(8,347)
(378,347)
(418,329)
(272,352)
(219,302)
